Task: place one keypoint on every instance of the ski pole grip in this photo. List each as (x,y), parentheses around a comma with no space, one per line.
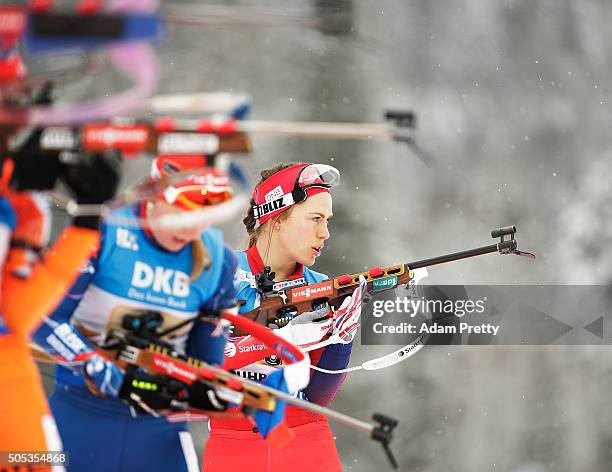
(496,233)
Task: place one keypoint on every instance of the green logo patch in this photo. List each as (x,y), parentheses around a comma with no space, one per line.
(384,284)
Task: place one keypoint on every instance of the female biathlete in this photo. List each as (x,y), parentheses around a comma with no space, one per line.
(287,225)
(172,274)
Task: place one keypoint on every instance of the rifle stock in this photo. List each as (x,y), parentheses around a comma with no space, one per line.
(300,299)
(142,136)
(160,360)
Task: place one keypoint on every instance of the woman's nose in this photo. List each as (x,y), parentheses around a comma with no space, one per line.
(324,231)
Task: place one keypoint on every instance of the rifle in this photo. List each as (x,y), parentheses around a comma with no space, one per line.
(140,345)
(280,305)
(212,136)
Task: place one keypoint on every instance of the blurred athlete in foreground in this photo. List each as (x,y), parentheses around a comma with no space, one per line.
(145,271)
(175,273)
(34,281)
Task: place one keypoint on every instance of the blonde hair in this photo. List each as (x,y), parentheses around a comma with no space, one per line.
(201,259)
(249,220)
(199,254)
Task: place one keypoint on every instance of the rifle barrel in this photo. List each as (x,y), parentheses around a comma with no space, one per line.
(311,129)
(319,129)
(334,415)
(215,102)
(455,256)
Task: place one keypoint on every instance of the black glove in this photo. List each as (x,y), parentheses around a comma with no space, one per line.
(204,397)
(35,168)
(93,181)
(155,392)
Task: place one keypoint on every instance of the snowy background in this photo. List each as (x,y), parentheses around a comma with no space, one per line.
(512,99)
